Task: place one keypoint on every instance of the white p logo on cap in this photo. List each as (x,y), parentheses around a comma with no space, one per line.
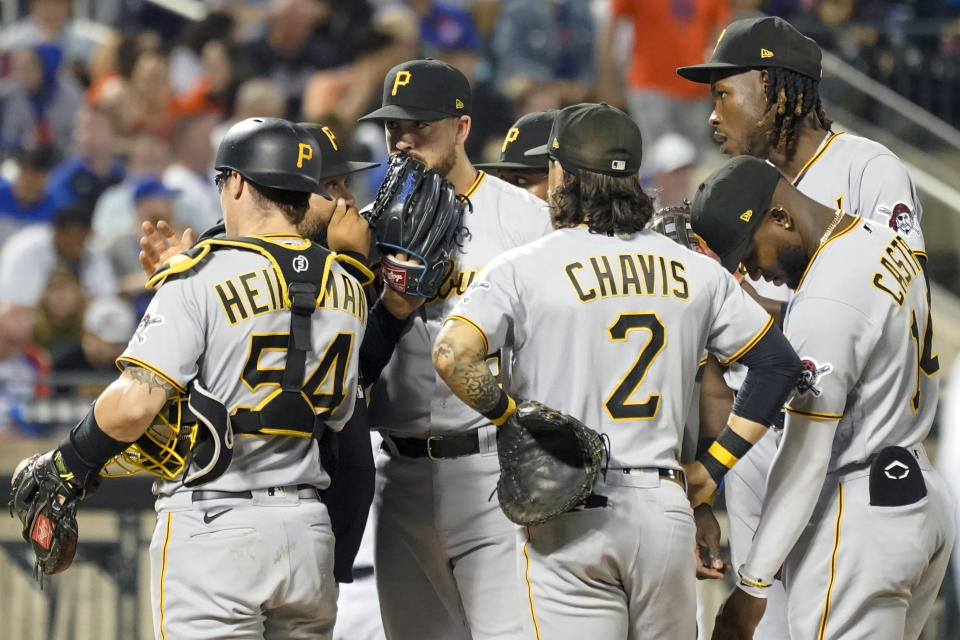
(618,165)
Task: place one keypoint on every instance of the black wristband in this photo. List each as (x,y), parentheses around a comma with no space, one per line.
(725,451)
(502,410)
(87,448)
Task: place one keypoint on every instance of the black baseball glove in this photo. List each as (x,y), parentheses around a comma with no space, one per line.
(549,462)
(44,498)
(416,212)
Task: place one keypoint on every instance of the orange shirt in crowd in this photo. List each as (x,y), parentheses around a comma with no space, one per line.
(668,34)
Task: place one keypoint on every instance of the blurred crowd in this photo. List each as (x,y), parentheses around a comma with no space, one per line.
(112,118)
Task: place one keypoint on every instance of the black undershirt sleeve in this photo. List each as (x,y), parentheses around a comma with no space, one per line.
(383,333)
(773,368)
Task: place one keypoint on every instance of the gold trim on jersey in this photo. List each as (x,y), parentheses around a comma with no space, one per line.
(465,320)
(850,227)
(921,254)
(476,183)
(526,576)
(816,415)
(833,563)
(754,340)
(367,274)
(152,369)
(163,573)
(176,264)
(809,163)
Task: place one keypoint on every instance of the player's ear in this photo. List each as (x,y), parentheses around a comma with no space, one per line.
(781,217)
(463,129)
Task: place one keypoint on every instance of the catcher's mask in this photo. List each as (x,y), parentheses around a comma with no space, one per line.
(191,437)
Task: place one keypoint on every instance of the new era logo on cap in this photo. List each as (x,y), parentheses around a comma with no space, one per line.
(766,53)
(746,215)
(556,144)
(618,165)
(459,103)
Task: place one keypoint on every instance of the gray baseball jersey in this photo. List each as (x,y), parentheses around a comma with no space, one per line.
(444,553)
(864,178)
(411,397)
(251,553)
(611,330)
(858,322)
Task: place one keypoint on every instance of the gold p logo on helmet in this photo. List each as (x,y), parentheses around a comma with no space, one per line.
(402,79)
(305,152)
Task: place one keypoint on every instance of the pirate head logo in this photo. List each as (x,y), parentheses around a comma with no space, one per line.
(900,218)
(148,320)
(810,375)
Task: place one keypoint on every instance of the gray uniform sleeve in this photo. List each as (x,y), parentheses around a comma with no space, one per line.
(738,321)
(492,305)
(169,340)
(833,340)
(888,195)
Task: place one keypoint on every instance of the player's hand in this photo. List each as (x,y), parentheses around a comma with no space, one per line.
(710,566)
(739,616)
(159,244)
(399,304)
(700,486)
(348,230)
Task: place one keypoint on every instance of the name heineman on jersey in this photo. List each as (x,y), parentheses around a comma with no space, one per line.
(254,293)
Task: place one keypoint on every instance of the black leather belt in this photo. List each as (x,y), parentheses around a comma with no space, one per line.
(304,492)
(451,445)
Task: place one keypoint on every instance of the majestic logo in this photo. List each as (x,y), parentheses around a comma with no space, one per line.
(618,165)
(402,79)
(511,136)
(146,322)
(300,264)
(459,104)
(900,218)
(810,375)
(766,53)
(746,215)
(896,470)
(305,152)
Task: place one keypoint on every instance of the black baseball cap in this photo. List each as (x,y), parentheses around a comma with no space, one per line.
(531,130)
(730,204)
(424,90)
(332,162)
(595,137)
(758,43)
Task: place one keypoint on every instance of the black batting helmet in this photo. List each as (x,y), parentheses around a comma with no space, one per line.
(272,152)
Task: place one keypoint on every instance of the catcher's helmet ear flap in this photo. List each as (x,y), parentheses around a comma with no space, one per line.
(272,152)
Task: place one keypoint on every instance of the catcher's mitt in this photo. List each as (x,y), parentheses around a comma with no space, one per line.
(46,502)
(549,462)
(674,222)
(416,212)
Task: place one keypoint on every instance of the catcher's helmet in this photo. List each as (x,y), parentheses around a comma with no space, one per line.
(272,152)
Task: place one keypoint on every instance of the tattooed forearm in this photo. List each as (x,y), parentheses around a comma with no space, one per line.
(467,375)
(148,378)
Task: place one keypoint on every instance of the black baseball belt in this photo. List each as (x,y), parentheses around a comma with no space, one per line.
(451,445)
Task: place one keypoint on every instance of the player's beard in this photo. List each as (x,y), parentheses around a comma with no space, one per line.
(445,163)
(792,261)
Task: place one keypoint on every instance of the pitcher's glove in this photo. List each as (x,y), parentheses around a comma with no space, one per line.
(44,498)
(549,462)
(416,212)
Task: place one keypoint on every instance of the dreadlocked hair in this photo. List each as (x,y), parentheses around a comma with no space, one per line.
(791,96)
(606,204)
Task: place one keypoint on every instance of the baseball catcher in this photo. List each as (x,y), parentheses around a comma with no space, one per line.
(417,213)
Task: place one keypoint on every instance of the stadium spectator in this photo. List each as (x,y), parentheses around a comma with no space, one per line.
(24,200)
(192,173)
(114,212)
(87,174)
(58,320)
(41,108)
(671,163)
(108,325)
(49,21)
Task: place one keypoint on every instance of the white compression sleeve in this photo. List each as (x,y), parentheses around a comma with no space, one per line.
(793,487)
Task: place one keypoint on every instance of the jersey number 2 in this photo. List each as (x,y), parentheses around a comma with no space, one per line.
(618,403)
(325,385)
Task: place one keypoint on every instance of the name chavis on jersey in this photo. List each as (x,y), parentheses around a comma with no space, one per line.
(640,274)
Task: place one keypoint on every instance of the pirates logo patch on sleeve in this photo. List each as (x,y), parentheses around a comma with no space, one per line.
(900,217)
(810,375)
